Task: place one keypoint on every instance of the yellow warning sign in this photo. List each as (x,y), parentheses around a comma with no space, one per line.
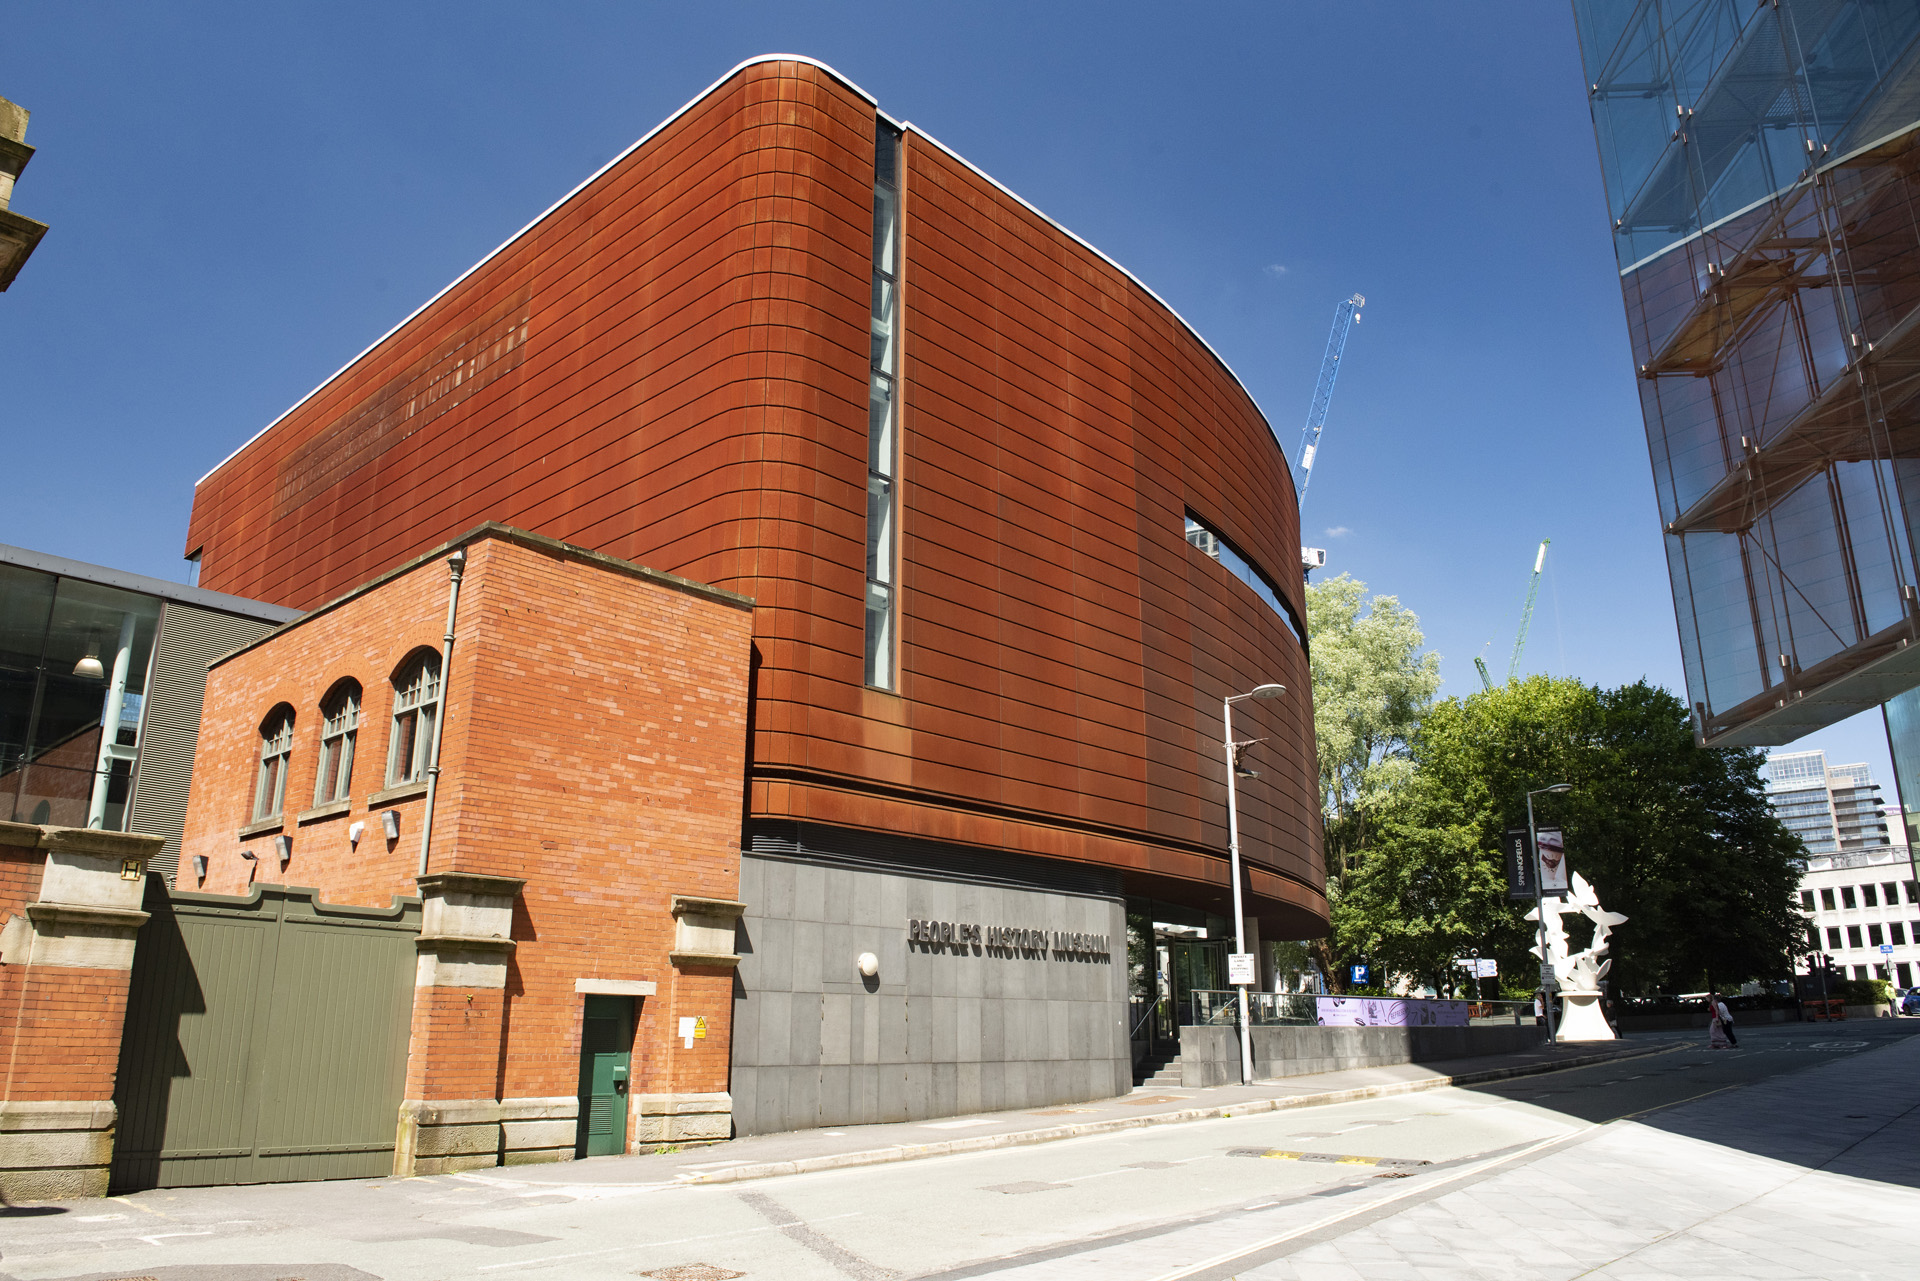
(700,1028)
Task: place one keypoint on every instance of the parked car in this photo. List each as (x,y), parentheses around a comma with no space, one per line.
(1911,1003)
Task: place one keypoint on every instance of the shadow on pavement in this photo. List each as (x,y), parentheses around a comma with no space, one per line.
(1838,1097)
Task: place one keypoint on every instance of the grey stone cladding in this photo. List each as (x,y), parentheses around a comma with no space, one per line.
(944,1027)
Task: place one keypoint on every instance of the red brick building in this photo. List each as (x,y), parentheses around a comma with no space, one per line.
(954,537)
(590,762)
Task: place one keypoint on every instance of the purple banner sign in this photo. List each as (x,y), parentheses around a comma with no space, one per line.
(1387,1011)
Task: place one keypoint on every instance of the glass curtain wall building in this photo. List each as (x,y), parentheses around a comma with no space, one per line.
(101,677)
(1760,165)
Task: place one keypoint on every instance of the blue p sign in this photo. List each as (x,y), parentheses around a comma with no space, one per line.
(1360,973)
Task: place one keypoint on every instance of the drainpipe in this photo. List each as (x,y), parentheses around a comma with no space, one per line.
(456,565)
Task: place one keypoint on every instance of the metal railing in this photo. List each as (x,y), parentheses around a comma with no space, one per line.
(1293,1009)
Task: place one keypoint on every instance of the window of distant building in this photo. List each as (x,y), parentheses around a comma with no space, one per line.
(1906,974)
(1890,893)
(276,750)
(1866,897)
(1846,897)
(1853,936)
(1897,934)
(1833,937)
(339,726)
(1826,899)
(1874,938)
(1806,899)
(416,704)
(883,412)
(1860,971)
(1913,891)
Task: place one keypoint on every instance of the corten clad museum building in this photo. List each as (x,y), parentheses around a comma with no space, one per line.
(1006,531)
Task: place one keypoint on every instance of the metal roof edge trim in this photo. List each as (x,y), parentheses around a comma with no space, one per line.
(126,580)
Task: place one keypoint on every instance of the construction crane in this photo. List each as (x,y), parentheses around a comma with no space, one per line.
(1526,618)
(1526,613)
(1345,316)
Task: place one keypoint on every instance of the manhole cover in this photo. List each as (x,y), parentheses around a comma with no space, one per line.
(692,1272)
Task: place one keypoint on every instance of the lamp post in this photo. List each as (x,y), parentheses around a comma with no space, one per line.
(1233,861)
(1539,905)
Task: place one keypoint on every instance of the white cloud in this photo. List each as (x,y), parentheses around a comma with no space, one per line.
(1338,531)
(1276,269)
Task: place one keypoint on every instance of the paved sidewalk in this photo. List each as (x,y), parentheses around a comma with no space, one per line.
(1801,1178)
(800,1151)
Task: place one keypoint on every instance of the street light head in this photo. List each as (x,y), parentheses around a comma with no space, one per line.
(1267,691)
(1561,787)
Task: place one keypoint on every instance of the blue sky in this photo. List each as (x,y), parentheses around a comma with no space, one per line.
(242,196)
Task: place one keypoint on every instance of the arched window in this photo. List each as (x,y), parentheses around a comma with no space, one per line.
(416,702)
(339,726)
(276,748)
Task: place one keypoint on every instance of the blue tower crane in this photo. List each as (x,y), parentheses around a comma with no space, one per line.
(1345,316)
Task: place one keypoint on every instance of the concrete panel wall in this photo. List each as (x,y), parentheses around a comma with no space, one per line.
(943,1028)
(1211,1055)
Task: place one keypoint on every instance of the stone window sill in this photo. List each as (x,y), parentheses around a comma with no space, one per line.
(332,809)
(399,792)
(262,827)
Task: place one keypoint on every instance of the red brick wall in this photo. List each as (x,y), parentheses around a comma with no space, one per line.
(594,746)
(70,1046)
(691,395)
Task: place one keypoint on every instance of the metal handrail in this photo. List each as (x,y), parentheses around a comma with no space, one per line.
(1141,1022)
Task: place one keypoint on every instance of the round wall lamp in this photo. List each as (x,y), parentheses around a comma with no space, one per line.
(869,965)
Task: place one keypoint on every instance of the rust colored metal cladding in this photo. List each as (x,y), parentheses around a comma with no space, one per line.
(671,366)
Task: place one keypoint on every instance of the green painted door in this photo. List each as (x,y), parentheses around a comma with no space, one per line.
(606,1060)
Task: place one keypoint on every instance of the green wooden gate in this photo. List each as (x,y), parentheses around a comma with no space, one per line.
(266,1039)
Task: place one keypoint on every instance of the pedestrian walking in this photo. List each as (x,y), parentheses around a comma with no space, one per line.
(1719,1024)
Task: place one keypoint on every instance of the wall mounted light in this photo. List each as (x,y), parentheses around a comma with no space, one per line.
(200,866)
(89,666)
(283,846)
(353,834)
(390,823)
(869,965)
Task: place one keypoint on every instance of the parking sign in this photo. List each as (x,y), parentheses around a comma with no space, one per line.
(1360,973)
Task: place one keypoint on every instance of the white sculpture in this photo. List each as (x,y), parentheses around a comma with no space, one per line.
(1578,975)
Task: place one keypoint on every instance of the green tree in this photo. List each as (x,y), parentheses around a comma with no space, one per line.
(1371,685)
(1424,892)
(1678,837)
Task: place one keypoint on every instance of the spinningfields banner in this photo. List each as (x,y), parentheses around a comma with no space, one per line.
(1517,852)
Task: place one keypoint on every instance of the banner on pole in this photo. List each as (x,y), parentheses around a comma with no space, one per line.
(1553,860)
(1519,860)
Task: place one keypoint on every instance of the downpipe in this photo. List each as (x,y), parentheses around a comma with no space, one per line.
(456,567)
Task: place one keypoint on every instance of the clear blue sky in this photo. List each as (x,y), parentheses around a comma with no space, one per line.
(242,196)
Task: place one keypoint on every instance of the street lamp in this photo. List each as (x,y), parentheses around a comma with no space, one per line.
(1539,905)
(1233,861)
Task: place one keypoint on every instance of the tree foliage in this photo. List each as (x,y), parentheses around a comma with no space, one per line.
(1371,686)
(1678,837)
(1417,797)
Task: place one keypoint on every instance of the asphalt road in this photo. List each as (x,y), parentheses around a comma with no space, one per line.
(1238,1196)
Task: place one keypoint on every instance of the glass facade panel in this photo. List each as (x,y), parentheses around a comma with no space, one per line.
(73,675)
(1762,177)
